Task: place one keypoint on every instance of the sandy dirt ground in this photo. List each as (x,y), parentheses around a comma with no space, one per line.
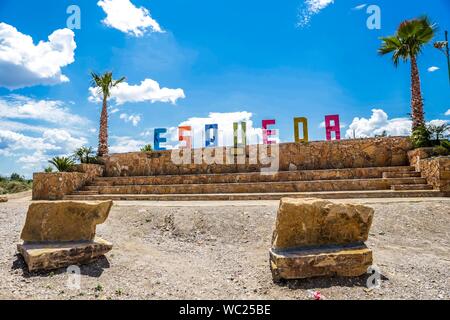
(219,250)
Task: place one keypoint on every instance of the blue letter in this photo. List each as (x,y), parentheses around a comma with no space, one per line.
(211,141)
(159,139)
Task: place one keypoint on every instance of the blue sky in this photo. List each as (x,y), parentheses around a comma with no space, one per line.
(239,60)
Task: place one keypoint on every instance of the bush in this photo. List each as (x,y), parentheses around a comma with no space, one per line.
(421,137)
(445,144)
(440,151)
(16,186)
(84,155)
(16,177)
(147,148)
(49,169)
(62,164)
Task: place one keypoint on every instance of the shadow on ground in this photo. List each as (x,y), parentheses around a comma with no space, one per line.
(327,282)
(93,269)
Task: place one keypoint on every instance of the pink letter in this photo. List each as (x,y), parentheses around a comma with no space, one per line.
(267,133)
(332,125)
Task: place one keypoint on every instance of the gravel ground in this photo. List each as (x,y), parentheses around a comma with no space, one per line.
(204,250)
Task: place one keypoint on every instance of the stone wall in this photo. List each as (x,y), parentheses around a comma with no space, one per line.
(416,155)
(358,153)
(53,186)
(437,172)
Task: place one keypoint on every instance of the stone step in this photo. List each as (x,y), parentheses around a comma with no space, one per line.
(394,174)
(260,196)
(87,192)
(301,175)
(259,187)
(402,187)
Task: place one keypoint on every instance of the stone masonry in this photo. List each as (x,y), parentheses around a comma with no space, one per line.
(315,238)
(53,186)
(358,153)
(59,234)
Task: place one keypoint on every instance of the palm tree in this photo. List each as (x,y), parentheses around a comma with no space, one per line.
(104,83)
(406,45)
(62,164)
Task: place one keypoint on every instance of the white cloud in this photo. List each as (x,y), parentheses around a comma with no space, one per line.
(360,7)
(448,112)
(311,8)
(437,122)
(52,111)
(51,142)
(126,17)
(49,129)
(126,144)
(379,122)
(148,90)
(432,69)
(24,64)
(134,118)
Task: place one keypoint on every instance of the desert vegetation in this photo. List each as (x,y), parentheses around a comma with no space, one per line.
(14,184)
(432,136)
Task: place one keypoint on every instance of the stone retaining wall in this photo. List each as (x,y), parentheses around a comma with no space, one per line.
(416,155)
(358,153)
(437,172)
(53,186)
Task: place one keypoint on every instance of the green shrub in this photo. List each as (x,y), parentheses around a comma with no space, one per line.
(62,164)
(147,148)
(440,151)
(15,186)
(16,177)
(85,155)
(445,144)
(421,137)
(49,169)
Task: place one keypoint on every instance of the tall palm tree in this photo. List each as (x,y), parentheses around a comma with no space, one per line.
(104,83)
(406,45)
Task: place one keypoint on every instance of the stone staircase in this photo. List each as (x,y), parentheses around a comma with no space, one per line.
(376,182)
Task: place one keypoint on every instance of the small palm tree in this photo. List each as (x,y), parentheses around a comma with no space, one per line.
(406,45)
(84,154)
(104,83)
(62,164)
(147,148)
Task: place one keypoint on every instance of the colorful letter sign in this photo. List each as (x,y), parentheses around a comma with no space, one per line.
(182,137)
(267,133)
(211,141)
(332,125)
(304,121)
(243,134)
(158,139)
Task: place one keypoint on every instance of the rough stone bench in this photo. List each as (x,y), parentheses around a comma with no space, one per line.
(314,237)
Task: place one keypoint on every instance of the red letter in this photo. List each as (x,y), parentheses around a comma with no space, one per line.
(333,127)
(267,133)
(182,137)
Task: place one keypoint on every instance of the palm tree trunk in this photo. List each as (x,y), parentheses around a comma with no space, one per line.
(103,134)
(416,96)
